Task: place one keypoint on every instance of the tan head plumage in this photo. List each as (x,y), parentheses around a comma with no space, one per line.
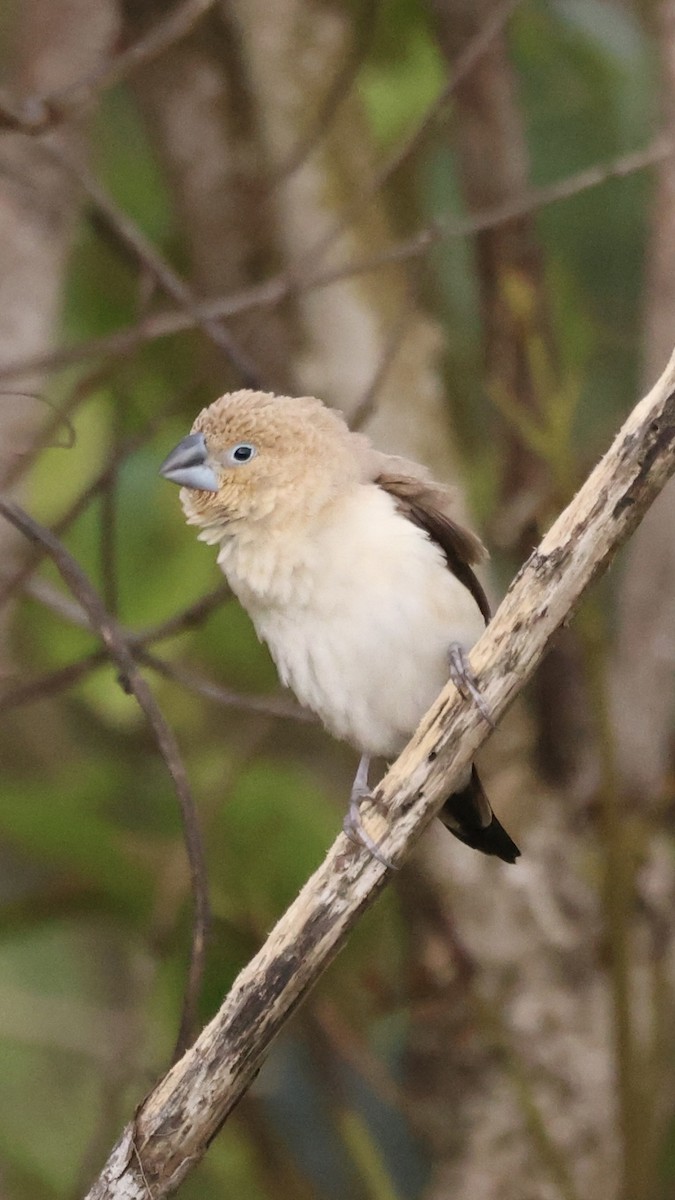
(300,455)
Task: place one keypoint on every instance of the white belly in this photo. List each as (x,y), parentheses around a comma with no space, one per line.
(364,641)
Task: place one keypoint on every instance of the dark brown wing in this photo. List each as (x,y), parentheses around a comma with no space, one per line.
(418,501)
(467,814)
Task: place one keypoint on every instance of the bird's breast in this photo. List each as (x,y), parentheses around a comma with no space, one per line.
(359,619)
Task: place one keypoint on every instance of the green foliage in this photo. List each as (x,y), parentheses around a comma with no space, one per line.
(402,78)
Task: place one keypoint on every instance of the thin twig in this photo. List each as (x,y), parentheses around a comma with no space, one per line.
(267,706)
(123,341)
(11,584)
(53,682)
(42,687)
(272,292)
(337,93)
(37,114)
(460,70)
(395,335)
(176,1122)
(188,618)
(446,228)
(20,458)
(153,263)
(116,645)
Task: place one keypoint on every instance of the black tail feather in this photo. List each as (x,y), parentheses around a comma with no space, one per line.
(468,815)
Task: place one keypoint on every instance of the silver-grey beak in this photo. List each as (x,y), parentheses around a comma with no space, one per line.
(187,465)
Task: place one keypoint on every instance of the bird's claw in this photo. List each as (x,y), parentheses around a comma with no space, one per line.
(465,681)
(356,832)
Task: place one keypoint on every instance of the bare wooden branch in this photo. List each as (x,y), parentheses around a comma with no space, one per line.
(175,1124)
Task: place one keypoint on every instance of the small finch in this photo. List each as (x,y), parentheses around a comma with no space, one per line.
(353,572)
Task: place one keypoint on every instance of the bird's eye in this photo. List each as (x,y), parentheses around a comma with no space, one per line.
(243,452)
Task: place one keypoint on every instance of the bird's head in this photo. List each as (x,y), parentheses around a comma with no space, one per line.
(252,456)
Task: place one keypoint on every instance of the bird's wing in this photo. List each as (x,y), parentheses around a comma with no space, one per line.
(468,814)
(421,502)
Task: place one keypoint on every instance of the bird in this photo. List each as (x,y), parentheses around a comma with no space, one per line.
(354,572)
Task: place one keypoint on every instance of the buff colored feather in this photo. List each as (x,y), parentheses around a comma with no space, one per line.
(349,563)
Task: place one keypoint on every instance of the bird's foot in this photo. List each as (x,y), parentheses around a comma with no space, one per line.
(356,832)
(465,681)
(353,825)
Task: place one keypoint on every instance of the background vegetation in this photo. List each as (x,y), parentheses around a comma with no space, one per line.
(455,219)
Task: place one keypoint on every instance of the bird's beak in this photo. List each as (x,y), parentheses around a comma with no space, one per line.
(187,465)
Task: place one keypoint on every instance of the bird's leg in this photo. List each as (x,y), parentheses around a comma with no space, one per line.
(465,681)
(352,824)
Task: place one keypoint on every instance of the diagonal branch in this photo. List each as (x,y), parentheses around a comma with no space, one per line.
(173,1127)
(134,240)
(278,288)
(36,114)
(134,682)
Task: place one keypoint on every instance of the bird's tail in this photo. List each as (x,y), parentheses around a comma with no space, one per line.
(469,816)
